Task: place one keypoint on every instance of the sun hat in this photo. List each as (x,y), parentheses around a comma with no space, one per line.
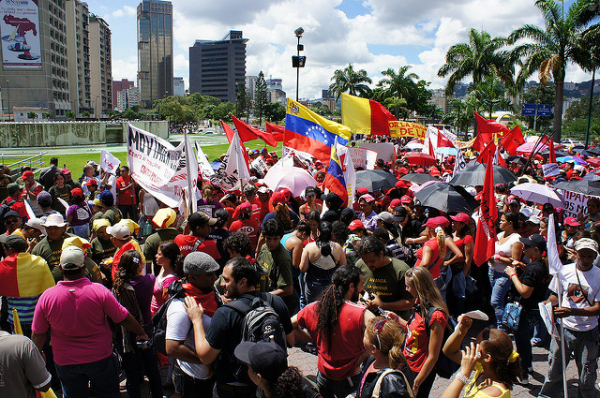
(586,243)
(55,220)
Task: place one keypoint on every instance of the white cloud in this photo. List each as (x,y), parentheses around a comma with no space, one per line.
(125,68)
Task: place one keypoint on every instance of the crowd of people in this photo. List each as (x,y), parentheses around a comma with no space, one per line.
(105,277)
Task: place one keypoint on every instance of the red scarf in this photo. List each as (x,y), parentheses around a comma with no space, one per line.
(206,300)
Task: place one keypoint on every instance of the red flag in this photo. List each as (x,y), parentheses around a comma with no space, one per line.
(443,141)
(485,237)
(511,141)
(246,131)
(230,133)
(486,152)
(275,130)
(552,154)
(485,131)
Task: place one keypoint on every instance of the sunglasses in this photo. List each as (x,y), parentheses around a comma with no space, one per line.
(378,328)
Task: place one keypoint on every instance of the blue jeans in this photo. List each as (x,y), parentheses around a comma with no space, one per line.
(529,318)
(500,283)
(313,292)
(584,345)
(103,375)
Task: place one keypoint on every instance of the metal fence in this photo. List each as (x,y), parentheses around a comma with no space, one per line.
(16,161)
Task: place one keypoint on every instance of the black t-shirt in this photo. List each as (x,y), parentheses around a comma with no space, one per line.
(219,235)
(225,333)
(536,276)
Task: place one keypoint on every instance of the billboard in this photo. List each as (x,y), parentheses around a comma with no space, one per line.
(20,33)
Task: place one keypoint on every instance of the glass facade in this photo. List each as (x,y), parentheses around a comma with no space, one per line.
(155,51)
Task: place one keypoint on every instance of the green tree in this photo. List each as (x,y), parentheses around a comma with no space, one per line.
(260,96)
(223,111)
(548,50)
(458,115)
(242,99)
(350,81)
(400,84)
(274,112)
(491,94)
(579,109)
(48,115)
(539,95)
(482,56)
(70,115)
(31,115)
(397,106)
(130,114)
(86,114)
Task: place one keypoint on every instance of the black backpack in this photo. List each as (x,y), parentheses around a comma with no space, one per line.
(261,322)
(159,320)
(5,208)
(444,366)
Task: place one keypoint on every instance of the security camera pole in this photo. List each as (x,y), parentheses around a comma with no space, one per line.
(298,61)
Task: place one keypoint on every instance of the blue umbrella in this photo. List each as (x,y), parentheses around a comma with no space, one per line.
(215,165)
(574,159)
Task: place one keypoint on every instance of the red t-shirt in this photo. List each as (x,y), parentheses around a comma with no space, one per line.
(255,212)
(462,242)
(416,346)
(434,268)
(37,188)
(19,207)
(127,197)
(338,361)
(186,244)
(249,227)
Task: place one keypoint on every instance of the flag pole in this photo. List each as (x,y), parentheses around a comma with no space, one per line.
(188,168)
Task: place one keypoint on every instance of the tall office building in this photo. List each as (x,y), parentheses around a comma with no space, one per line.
(101,66)
(178,86)
(216,66)
(34,71)
(78,46)
(155,50)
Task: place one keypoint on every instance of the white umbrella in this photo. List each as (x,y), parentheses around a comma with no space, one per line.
(295,179)
(538,193)
(415,145)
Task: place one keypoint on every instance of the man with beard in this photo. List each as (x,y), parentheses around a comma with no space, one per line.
(240,278)
(336,324)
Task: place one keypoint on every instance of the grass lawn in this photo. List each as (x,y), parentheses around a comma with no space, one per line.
(75,162)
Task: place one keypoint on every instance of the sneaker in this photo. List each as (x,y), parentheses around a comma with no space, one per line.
(530,370)
(524,380)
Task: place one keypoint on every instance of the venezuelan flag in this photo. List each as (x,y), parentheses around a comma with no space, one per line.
(308,132)
(365,116)
(334,179)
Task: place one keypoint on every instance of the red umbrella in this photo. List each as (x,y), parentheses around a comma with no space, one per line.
(420,159)
(594,162)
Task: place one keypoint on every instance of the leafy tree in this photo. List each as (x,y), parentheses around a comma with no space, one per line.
(579,109)
(223,111)
(86,114)
(491,94)
(131,114)
(71,115)
(480,57)
(398,84)
(274,112)
(242,99)
(260,96)
(539,95)
(48,115)
(31,115)
(350,81)
(548,50)
(397,106)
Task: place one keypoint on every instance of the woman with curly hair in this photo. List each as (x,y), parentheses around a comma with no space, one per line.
(384,340)
(497,366)
(134,292)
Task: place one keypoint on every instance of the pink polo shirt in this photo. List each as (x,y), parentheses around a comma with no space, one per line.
(76,313)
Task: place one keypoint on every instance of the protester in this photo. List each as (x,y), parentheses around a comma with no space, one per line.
(164,220)
(126,196)
(61,190)
(170,261)
(199,225)
(30,192)
(79,214)
(311,202)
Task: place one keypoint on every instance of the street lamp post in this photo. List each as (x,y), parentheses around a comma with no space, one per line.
(298,61)
(7,101)
(589,118)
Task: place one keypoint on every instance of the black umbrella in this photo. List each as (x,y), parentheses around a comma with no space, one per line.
(419,178)
(546,152)
(375,180)
(517,159)
(447,198)
(474,174)
(594,150)
(582,152)
(585,187)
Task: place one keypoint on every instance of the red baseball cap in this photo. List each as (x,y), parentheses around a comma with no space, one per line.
(91,181)
(279,197)
(26,174)
(395,202)
(406,200)
(437,221)
(356,224)
(401,184)
(362,191)
(572,221)
(420,170)
(462,217)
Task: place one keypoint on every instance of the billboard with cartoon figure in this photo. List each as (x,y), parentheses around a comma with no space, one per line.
(20,33)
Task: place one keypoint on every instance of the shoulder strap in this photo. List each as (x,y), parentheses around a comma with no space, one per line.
(239,305)
(197,244)
(581,287)
(377,388)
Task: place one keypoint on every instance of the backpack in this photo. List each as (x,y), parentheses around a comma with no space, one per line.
(444,366)
(5,208)
(261,322)
(159,320)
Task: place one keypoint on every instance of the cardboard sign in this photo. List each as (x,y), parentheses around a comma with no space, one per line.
(385,150)
(363,158)
(575,203)
(550,169)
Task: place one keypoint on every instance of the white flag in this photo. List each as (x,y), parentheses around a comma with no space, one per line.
(109,162)
(205,167)
(554,263)
(234,169)
(460,162)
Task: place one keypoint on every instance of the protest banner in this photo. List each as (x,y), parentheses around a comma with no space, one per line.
(407,129)
(575,203)
(233,172)
(203,163)
(550,169)
(385,150)
(260,167)
(109,162)
(362,157)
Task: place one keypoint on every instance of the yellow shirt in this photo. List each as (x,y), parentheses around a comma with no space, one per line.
(473,391)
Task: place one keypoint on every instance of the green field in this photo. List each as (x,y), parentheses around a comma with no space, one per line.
(75,162)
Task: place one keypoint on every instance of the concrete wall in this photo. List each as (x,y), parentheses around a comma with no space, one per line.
(52,134)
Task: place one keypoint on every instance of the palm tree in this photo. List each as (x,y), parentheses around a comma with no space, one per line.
(480,57)
(491,94)
(398,84)
(549,50)
(397,106)
(349,81)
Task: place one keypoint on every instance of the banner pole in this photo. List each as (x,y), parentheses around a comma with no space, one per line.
(188,167)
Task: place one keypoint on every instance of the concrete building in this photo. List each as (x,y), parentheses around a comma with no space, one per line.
(128,98)
(101,66)
(119,85)
(155,50)
(276,93)
(439,98)
(178,86)
(78,47)
(251,87)
(216,66)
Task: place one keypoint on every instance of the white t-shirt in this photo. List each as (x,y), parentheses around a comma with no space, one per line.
(574,294)
(179,327)
(505,249)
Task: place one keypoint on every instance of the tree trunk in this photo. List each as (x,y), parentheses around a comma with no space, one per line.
(558,110)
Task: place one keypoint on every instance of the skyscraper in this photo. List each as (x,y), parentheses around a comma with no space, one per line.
(155,50)
(101,69)
(217,66)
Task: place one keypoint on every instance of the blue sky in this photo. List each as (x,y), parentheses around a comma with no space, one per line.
(372,34)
